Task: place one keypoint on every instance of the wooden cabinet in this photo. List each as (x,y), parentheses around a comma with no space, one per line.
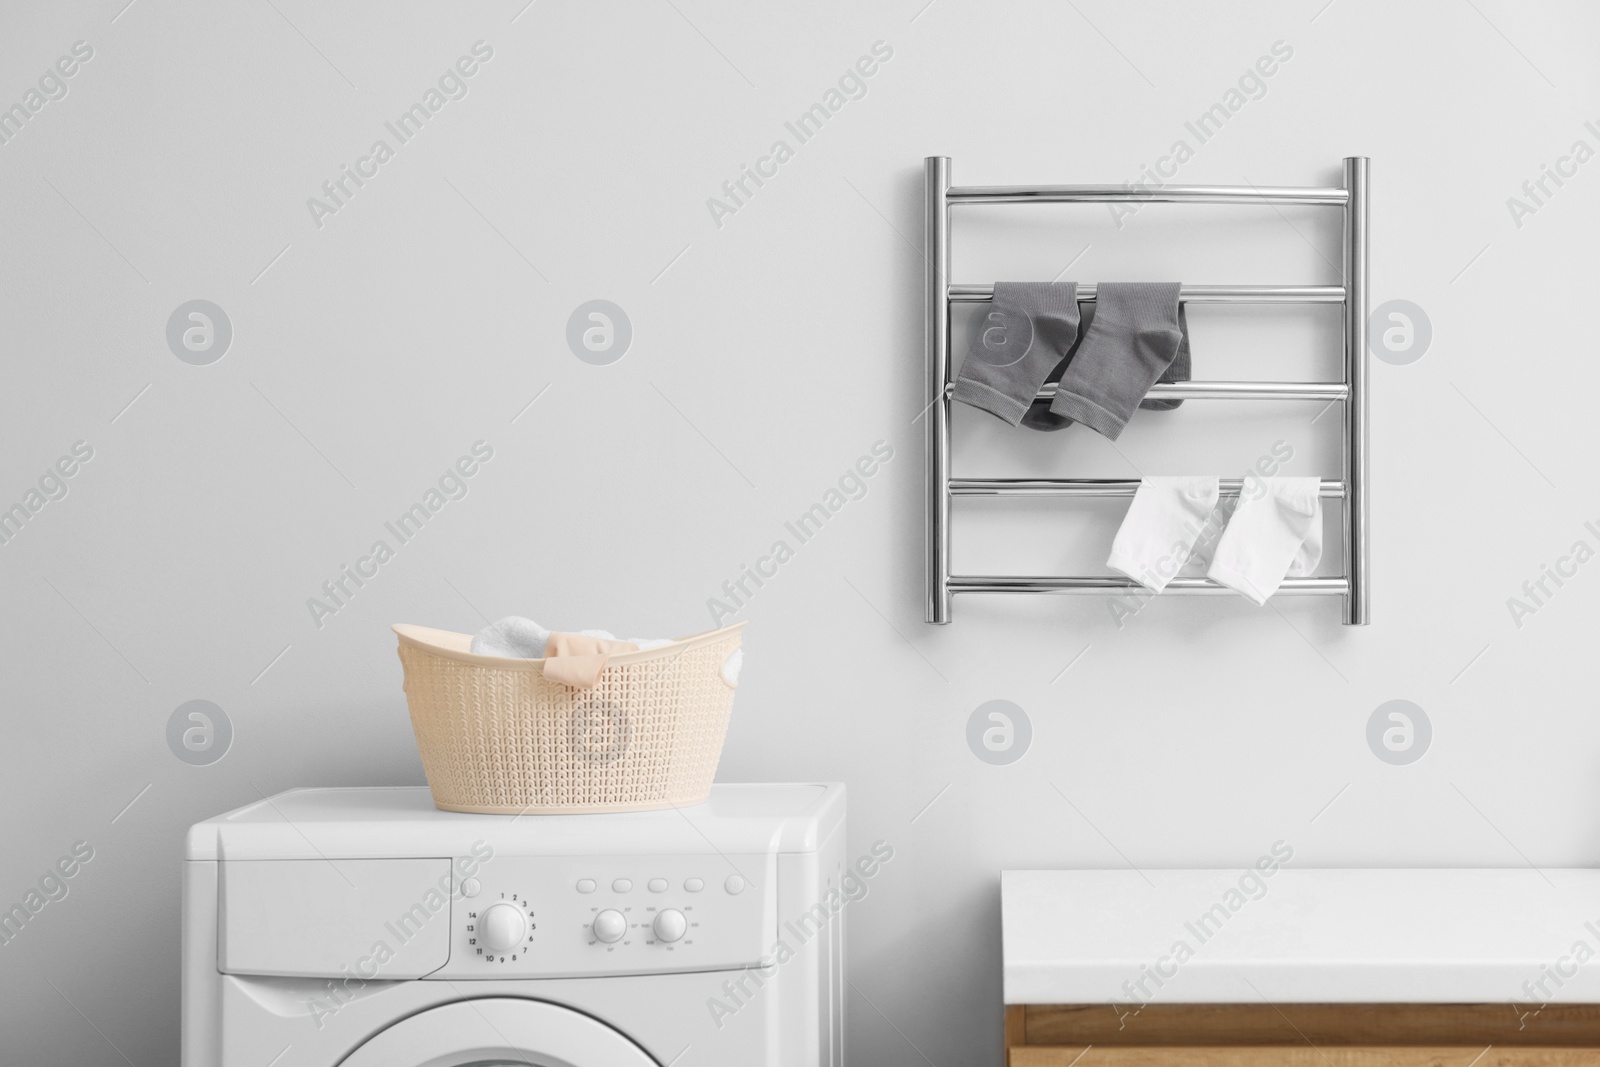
(1302,1035)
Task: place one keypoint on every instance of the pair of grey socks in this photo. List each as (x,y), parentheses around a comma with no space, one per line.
(1136,335)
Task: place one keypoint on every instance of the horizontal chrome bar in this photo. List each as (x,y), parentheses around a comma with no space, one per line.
(1224,391)
(1168,194)
(1194,294)
(1076,487)
(1111,583)
(1241,391)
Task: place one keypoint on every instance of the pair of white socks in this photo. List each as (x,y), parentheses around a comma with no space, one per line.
(1273,533)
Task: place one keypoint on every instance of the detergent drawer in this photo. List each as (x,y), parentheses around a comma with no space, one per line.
(376,918)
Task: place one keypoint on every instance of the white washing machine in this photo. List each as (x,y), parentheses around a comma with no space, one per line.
(366,928)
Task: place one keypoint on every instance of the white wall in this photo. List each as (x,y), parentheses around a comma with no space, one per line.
(769,353)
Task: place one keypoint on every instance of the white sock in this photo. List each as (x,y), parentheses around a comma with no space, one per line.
(1310,552)
(1156,537)
(1275,531)
(1205,546)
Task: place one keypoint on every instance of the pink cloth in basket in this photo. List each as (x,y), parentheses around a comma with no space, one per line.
(577,659)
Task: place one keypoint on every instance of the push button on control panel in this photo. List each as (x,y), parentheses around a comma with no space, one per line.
(622,885)
(694,885)
(586,885)
(734,885)
(657,885)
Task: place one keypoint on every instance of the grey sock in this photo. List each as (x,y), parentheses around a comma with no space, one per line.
(1038,416)
(1025,334)
(1178,372)
(1134,339)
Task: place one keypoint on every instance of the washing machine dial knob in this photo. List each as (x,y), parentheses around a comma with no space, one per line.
(504,927)
(670,925)
(609,926)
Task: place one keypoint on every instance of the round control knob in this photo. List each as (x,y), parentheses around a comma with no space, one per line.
(609,926)
(670,925)
(504,927)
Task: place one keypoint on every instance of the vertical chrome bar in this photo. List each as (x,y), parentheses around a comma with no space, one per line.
(936,251)
(1356,611)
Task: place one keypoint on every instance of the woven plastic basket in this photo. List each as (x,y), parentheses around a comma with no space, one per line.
(498,737)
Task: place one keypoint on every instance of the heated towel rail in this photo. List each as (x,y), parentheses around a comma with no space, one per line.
(1351,488)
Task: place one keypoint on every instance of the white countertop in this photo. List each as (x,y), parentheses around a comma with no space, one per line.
(1307,936)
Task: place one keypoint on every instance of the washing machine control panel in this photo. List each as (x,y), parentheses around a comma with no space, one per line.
(571,916)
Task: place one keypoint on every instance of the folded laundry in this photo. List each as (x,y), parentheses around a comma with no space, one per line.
(1275,532)
(1038,415)
(1166,517)
(1135,338)
(1029,328)
(516,637)
(572,658)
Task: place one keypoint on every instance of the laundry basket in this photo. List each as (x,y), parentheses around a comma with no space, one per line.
(498,737)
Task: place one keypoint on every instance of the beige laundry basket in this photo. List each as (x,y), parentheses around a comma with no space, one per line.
(498,737)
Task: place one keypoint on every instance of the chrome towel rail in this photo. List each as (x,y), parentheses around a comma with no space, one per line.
(1119,194)
(1331,487)
(1115,583)
(1195,294)
(939,294)
(1226,391)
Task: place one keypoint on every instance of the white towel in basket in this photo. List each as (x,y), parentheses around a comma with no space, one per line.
(516,637)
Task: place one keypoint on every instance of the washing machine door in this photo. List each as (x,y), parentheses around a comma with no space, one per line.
(499,1032)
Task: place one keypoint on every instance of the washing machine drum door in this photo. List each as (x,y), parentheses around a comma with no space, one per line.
(499,1032)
